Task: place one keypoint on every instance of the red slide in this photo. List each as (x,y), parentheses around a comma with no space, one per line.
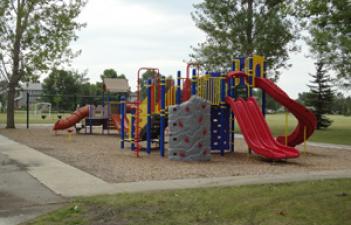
(116,118)
(306,119)
(256,132)
(71,120)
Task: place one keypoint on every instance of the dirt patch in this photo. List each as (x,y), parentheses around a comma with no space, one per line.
(101,156)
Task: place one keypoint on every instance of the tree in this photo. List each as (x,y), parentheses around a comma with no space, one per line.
(320,96)
(143,81)
(60,88)
(243,28)
(329,25)
(342,104)
(111,73)
(34,37)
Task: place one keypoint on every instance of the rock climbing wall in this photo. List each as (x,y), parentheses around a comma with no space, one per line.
(189,125)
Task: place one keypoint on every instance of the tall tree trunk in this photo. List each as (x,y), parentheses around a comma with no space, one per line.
(10,123)
(16,74)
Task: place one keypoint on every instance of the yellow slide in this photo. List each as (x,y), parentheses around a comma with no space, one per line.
(143,110)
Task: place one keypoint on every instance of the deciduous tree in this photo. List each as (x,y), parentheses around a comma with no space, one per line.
(35,36)
(243,28)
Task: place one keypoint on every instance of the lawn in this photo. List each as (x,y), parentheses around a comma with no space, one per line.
(338,133)
(21,118)
(318,202)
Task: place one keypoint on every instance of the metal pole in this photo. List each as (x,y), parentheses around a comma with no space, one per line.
(132,130)
(162,117)
(148,126)
(178,93)
(232,94)
(222,108)
(264,96)
(193,84)
(27,108)
(122,114)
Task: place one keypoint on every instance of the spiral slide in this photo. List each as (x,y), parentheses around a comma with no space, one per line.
(71,120)
(256,131)
(306,119)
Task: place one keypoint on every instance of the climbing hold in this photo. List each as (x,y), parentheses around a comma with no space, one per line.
(180,124)
(200,119)
(186,139)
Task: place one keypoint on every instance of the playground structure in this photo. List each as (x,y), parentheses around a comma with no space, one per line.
(146,118)
(105,115)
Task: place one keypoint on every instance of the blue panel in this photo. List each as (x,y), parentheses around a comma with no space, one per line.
(217,141)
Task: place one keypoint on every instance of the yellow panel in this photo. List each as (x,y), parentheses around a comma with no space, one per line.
(258,60)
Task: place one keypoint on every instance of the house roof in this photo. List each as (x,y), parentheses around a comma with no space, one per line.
(116,85)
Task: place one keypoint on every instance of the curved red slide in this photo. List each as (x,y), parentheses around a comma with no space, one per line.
(71,120)
(306,119)
(262,127)
(252,133)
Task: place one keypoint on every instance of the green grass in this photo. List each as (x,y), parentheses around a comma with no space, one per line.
(319,202)
(338,133)
(21,118)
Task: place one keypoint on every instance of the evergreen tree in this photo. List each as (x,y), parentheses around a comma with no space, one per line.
(243,28)
(321,95)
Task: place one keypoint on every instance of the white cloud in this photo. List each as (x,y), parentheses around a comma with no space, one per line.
(126,35)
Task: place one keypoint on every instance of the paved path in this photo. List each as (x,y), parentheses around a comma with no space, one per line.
(22,197)
(31,179)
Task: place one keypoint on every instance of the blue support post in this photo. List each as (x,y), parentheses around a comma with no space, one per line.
(179,92)
(122,114)
(108,109)
(162,117)
(264,96)
(251,77)
(193,83)
(232,130)
(223,107)
(132,132)
(148,126)
(90,120)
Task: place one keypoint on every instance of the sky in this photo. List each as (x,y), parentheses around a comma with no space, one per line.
(126,35)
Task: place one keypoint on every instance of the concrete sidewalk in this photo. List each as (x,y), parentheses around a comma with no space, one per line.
(69,181)
(22,197)
(61,178)
(35,183)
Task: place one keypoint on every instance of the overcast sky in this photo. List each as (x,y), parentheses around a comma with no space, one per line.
(126,35)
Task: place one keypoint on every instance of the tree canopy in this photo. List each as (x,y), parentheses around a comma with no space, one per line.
(111,73)
(329,25)
(35,36)
(60,89)
(244,27)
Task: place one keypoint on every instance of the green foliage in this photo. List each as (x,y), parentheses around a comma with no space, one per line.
(242,28)
(342,104)
(111,73)
(329,24)
(34,37)
(320,96)
(60,89)
(149,74)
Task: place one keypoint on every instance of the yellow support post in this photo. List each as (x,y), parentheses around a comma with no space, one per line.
(286,126)
(305,139)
